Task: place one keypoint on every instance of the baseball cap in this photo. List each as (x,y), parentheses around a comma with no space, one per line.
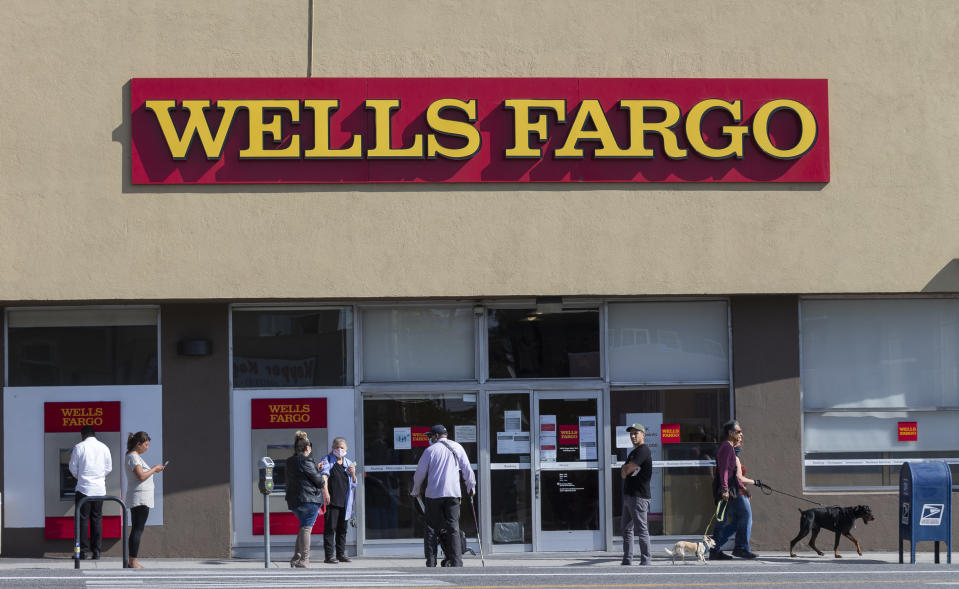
(636,427)
(438,429)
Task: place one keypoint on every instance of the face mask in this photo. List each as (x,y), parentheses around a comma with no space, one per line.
(339,452)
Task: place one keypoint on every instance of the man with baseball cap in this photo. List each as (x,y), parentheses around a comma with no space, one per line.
(440,467)
(636,473)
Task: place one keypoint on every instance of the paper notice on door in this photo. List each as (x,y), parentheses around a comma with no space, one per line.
(512,442)
(547,438)
(402,438)
(587,437)
(513,421)
(622,437)
(464,434)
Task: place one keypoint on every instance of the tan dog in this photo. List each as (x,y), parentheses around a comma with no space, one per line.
(682,548)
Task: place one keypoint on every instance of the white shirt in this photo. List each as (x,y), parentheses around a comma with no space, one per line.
(90,463)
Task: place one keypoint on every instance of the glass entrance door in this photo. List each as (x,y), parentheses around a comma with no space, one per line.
(567,485)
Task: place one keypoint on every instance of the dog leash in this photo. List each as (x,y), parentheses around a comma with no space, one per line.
(718,516)
(767,490)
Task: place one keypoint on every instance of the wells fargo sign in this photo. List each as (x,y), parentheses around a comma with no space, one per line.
(356,130)
(288,413)
(102,416)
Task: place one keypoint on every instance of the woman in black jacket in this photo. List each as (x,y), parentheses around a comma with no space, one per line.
(304,495)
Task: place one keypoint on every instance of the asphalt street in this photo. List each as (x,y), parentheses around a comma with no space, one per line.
(588,572)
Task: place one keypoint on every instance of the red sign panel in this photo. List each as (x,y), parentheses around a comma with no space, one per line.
(669,433)
(420,437)
(102,416)
(908,431)
(435,130)
(569,435)
(287,413)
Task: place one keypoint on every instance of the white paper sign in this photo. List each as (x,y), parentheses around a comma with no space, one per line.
(513,421)
(587,437)
(547,438)
(512,442)
(402,438)
(622,438)
(464,434)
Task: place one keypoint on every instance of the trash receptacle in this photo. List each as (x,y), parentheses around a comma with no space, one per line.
(925,506)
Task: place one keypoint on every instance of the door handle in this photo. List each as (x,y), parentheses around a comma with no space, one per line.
(537,485)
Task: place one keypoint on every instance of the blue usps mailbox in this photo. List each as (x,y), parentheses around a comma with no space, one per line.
(925,506)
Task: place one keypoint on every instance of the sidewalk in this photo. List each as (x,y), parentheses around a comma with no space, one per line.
(516,560)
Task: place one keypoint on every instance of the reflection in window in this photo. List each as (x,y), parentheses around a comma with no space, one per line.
(82,348)
(390,511)
(292,348)
(682,497)
(526,344)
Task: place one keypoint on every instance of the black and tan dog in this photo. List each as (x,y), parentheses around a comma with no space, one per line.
(837,519)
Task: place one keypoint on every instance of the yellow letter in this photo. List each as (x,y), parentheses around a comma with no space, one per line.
(196,125)
(523,127)
(807,123)
(259,128)
(638,127)
(694,130)
(383,110)
(590,110)
(321,133)
(452,128)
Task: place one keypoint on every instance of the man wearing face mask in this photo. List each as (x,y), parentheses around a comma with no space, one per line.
(440,467)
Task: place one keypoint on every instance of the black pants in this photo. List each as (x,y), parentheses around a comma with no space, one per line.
(138,517)
(92,512)
(334,531)
(443,520)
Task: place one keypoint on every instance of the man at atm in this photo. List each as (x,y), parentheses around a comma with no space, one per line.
(90,463)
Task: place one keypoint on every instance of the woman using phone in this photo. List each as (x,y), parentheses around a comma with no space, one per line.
(139,497)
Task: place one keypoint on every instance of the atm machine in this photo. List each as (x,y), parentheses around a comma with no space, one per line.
(273,428)
(61,432)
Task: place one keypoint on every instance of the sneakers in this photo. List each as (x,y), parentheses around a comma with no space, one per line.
(743,553)
(331,561)
(343,558)
(626,562)
(718,555)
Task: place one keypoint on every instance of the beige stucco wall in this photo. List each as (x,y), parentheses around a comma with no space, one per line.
(74,228)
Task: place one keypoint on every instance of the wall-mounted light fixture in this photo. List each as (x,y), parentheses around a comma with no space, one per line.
(194,346)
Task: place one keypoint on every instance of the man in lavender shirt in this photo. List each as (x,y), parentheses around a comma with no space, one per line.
(440,467)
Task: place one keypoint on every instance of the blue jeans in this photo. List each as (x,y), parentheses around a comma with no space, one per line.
(739,521)
(306,513)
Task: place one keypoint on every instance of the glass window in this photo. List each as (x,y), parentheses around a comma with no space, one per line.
(509,442)
(524,343)
(292,347)
(391,513)
(668,342)
(418,343)
(868,368)
(682,495)
(75,347)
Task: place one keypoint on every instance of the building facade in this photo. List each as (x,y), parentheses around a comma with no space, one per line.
(533,308)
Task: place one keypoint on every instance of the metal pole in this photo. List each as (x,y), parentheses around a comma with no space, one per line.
(266,531)
(76,532)
(126,545)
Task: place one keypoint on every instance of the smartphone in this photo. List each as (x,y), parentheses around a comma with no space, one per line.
(165,463)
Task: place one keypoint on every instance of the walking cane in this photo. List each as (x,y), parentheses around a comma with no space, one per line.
(478,538)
